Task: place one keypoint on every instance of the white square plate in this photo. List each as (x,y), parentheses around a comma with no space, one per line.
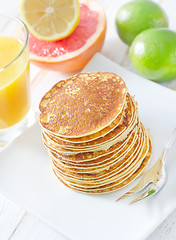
(27,178)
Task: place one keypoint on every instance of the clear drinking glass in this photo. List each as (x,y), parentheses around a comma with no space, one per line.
(15,114)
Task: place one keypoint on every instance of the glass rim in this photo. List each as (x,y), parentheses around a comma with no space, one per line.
(25,42)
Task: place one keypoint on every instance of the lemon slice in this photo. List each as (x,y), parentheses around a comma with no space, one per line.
(50,20)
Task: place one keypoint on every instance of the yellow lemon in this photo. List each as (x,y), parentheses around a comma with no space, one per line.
(50,20)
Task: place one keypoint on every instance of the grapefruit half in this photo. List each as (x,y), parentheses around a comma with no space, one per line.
(73,52)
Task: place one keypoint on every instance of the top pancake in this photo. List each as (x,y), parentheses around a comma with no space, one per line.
(83,104)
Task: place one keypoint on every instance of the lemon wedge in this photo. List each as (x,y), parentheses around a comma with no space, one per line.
(50,20)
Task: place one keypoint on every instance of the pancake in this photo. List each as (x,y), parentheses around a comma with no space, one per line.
(114,187)
(117,183)
(122,146)
(91,128)
(77,143)
(120,163)
(103,143)
(86,139)
(120,153)
(96,99)
(102,136)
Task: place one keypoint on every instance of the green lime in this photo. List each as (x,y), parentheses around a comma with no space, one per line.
(137,16)
(153,54)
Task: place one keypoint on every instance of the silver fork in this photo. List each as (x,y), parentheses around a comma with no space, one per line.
(155,177)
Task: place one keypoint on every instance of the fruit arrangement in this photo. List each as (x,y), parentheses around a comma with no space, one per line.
(143,25)
(64,35)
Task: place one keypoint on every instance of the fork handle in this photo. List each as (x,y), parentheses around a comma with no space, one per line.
(169,144)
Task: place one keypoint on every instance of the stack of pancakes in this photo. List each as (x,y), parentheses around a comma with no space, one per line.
(91,127)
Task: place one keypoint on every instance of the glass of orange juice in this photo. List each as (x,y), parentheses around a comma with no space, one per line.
(14,79)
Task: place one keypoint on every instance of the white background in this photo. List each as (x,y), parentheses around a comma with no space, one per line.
(15,222)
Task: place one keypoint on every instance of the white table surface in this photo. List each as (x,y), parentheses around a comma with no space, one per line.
(18,224)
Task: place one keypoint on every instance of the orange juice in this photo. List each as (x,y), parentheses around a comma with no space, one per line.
(14,82)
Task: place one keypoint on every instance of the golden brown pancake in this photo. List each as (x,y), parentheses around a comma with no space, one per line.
(113,187)
(104,156)
(116,165)
(91,128)
(100,138)
(83,104)
(116,183)
(102,143)
(102,162)
(89,139)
